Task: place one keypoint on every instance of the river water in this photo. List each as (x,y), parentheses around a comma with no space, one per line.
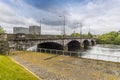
(103,52)
(99,52)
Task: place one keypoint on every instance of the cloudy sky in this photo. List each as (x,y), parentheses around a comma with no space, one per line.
(100,16)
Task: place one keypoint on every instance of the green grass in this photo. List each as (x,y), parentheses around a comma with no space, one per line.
(12,71)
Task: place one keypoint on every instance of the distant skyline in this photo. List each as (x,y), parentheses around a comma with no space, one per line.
(100,16)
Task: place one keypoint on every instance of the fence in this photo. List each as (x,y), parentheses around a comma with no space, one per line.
(81,54)
(60,52)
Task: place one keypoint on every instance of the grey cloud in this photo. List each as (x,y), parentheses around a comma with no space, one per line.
(98,15)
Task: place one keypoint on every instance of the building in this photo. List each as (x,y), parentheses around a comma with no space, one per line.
(34,30)
(23,30)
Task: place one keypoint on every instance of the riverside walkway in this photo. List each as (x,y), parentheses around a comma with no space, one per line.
(59,67)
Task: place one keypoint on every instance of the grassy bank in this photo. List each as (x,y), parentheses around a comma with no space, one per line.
(11,71)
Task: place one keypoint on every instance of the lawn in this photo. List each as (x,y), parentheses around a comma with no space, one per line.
(12,71)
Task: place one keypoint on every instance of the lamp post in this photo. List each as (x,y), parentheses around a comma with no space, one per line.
(80,25)
(64,48)
(64,23)
(74,33)
(89,32)
(41,26)
(81,29)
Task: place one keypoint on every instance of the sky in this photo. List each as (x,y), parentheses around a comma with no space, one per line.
(96,16)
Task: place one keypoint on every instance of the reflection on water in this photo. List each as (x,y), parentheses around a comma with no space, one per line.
(103,52)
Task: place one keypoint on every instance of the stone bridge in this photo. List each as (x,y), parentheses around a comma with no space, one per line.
(69,44)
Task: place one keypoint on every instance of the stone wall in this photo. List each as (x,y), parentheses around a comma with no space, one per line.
(4,47)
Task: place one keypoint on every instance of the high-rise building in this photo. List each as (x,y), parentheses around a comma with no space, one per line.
(23,30)
(35,30)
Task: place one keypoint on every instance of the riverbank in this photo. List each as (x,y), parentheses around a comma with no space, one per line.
(51,66)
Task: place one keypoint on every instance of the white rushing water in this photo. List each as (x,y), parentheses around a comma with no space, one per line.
(33,48)
(103,52)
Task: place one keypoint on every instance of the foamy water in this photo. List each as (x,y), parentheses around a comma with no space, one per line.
(103,52)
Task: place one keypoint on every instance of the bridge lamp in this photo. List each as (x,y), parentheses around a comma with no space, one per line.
(63,28)
(81,29)
(80,25)
(64,23)
(41,25)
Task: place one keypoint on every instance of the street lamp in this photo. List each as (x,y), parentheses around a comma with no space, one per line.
(41,26)
(80,25)
(63,25)
(81,29)
(74,33)
(89,32)
(64,48)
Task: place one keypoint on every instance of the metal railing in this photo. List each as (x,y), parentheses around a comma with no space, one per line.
(60,52)
(81,54)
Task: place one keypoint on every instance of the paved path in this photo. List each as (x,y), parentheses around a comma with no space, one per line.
(52,67)
(39,71)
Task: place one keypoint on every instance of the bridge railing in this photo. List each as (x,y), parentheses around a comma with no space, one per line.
(81,54)
(61,52)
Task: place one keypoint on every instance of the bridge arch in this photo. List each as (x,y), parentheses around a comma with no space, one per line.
(73,45)
(50,45)
(86,44)
(92,42)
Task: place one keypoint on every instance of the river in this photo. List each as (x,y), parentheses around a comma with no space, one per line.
(103,52)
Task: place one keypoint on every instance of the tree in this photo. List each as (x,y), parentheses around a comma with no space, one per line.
(108,38)
(90,35)
(1,30)
(113,35)
(85,35)
(75,34)
(117,40)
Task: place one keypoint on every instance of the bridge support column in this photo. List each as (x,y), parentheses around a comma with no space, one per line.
(65,48)
(95,42)
(90,43)
(81,46)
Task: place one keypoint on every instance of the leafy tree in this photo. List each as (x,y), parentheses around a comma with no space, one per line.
(108,38)
(117,40)
(90,35)
(113,35)
(75,34)
(1,30)
(85,35)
